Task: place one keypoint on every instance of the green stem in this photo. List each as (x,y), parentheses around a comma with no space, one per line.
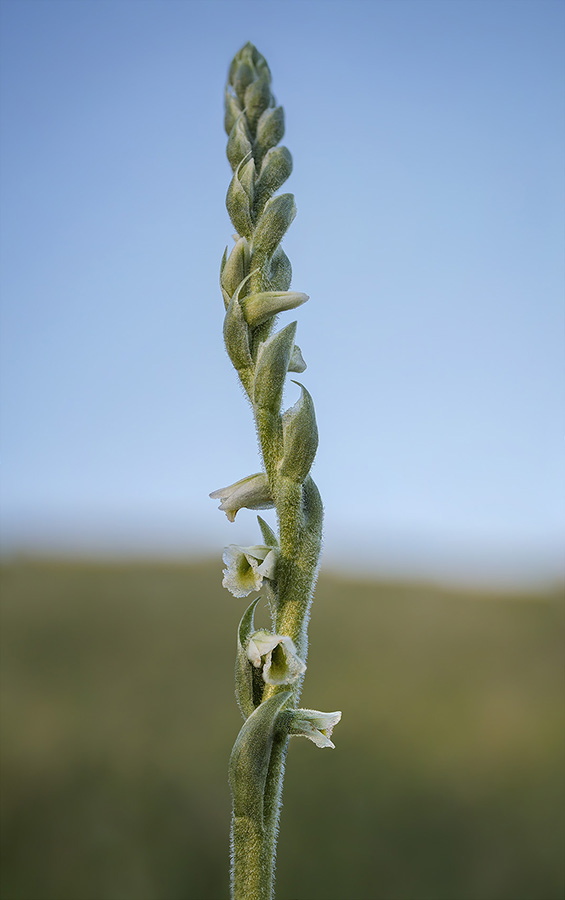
(251,875)
(301,532)
(273,796)
(301,539)
(254,849)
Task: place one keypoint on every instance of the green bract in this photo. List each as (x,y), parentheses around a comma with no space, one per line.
(249,761)
(300,437)
(249,682)
(271,368)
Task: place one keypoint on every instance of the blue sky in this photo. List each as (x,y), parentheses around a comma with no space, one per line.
(428,142)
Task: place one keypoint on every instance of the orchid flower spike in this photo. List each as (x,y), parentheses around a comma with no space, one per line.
(255,282)
(247,567)
(277,656)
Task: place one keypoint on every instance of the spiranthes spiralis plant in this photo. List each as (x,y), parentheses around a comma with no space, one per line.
(255,282)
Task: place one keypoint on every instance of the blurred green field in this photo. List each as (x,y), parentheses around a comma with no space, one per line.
(118,716)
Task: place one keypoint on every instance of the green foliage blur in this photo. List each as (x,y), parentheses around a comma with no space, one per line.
(118,718)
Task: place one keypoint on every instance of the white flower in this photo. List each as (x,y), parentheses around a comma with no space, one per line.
(277,655)
(247,567)
(252,492)
(317,726)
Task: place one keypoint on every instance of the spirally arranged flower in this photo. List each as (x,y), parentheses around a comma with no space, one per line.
(252,492)
(314,725)
(247,567)
(277,656)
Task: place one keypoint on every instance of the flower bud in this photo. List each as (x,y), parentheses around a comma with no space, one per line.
(259,307)
(236,336)
(271,368)
(235,267)
(242,78)
(233,110)
(261,66)
(246,175)
(257,99)
(270,129)
(252,58)
(275,169)
(280,273)
(300,438)
(238,206)
(252,492)
(273,224)
(239,145)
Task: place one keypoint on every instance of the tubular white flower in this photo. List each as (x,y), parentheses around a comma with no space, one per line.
(259,307)
(314,725)
(247,567)
(252,492)
(276,654)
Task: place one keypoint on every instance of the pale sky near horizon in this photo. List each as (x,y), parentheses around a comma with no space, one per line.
(428,141)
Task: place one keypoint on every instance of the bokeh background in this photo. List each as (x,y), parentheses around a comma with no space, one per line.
(428,141)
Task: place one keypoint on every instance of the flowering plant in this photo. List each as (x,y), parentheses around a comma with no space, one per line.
(255,282)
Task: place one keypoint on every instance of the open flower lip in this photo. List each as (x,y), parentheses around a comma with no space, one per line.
(277,656)
(247,567)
